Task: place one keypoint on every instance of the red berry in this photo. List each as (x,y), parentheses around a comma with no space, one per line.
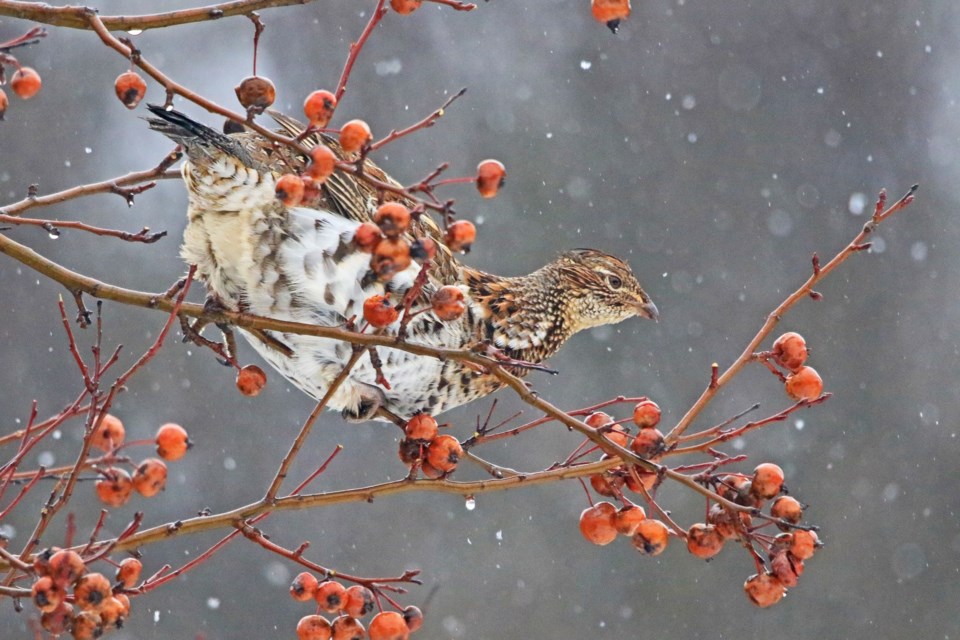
(323,162)
(490,177)
(606,485)
(764,589)
(4,103)
(65,566)
(150,478)
(607,11)
(128,573)
(318,107)
(314,627)
(251,380)
(648,479)
(803,544)
(358,601)
(109,434)
(114,488)
(646,414)
(405,7)
(597,523)
(86,625)
(330,595)
(804,384)
(460,235)
(91,590)
(256,93)
(355,135)
(413,617)
(393,218)
(448,303)
(648,443)
(389,625)
(704,541)
(58,621)
(430,471)
(729,524)
(767,480)
(628,519)
(444,453)
(347,628)
(598,419)
(651,537)
(786,568)
(421,427)
(790,350)
(304,587)
(411,452)
(390,256)
(289,189)
(378,311)
(172,441)
(46,594)
(788,509)
(367,237)
(112,613)
(130,88)
(25,82)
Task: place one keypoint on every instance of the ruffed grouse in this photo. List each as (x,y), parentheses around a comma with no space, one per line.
(300,264)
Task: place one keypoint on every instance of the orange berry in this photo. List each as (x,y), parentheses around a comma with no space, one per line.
(617,435)
(330,595)
(25,82)
(124,600)
(46,594)
(128,573)
(803,544)
(256,93)
(597,523)
(289,189)
(790,350)
(405,7)
(4,103)
(628,518)
(91,590)
(423,249)
(490,177)
(251,380)
(389,625)
(787,508)
(764,589)
(304,586)
(378,311)
(648,479)
(314,627)
(87,625)
(57,621)
(358,601)
(318,107)
(323,162)
(130,88)
(448,303)
(606,485)
(598,419)
(347,628)
(444,453)
(767,480)
(729,524)
(786,568)
(430,471)
(704,541)
(393,218)
(413,617)
(804,384)
(112,613)
(421,427)
(651,537)
(172,441)
(648,443)
(607,11)
(109,434)
(355,135)
(114,488)
(460,235)
(646,414)
(390,256)
(150,477)
(367,237)
(66,566)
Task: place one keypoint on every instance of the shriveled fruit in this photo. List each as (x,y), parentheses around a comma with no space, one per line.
(648,443)
(251,380)
(448,303)
(329,596)
(314,627)
(704,541)
(90,590)
(46,594)
(788,509)
(347,628)
(114,488)
(390,256)
(256,93)
(767,480)
(764,589)
(413,616)
(130,88)
(804,544)
(393,218)
(304,586)
(358,601)
(150,478)
(379,312)
(460,235)
(651,537)
(790,350)
(628,519)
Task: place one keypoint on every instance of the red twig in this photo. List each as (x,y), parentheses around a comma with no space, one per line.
(429,121)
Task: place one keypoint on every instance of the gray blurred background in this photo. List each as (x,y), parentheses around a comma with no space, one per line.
(714,145)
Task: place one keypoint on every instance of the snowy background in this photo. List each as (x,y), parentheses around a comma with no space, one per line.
(715,145)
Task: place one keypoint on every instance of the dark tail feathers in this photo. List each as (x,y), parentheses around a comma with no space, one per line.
(195,138)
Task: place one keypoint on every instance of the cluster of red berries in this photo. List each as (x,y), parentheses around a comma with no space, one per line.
(25,83)
(97,606)
(786,551)
(790,352)
(149,478)
(610,12)
(349,604)
(435,454)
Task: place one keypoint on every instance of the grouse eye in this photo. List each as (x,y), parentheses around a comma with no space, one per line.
(614,282)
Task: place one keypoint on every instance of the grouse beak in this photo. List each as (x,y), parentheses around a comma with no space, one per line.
(648,310)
